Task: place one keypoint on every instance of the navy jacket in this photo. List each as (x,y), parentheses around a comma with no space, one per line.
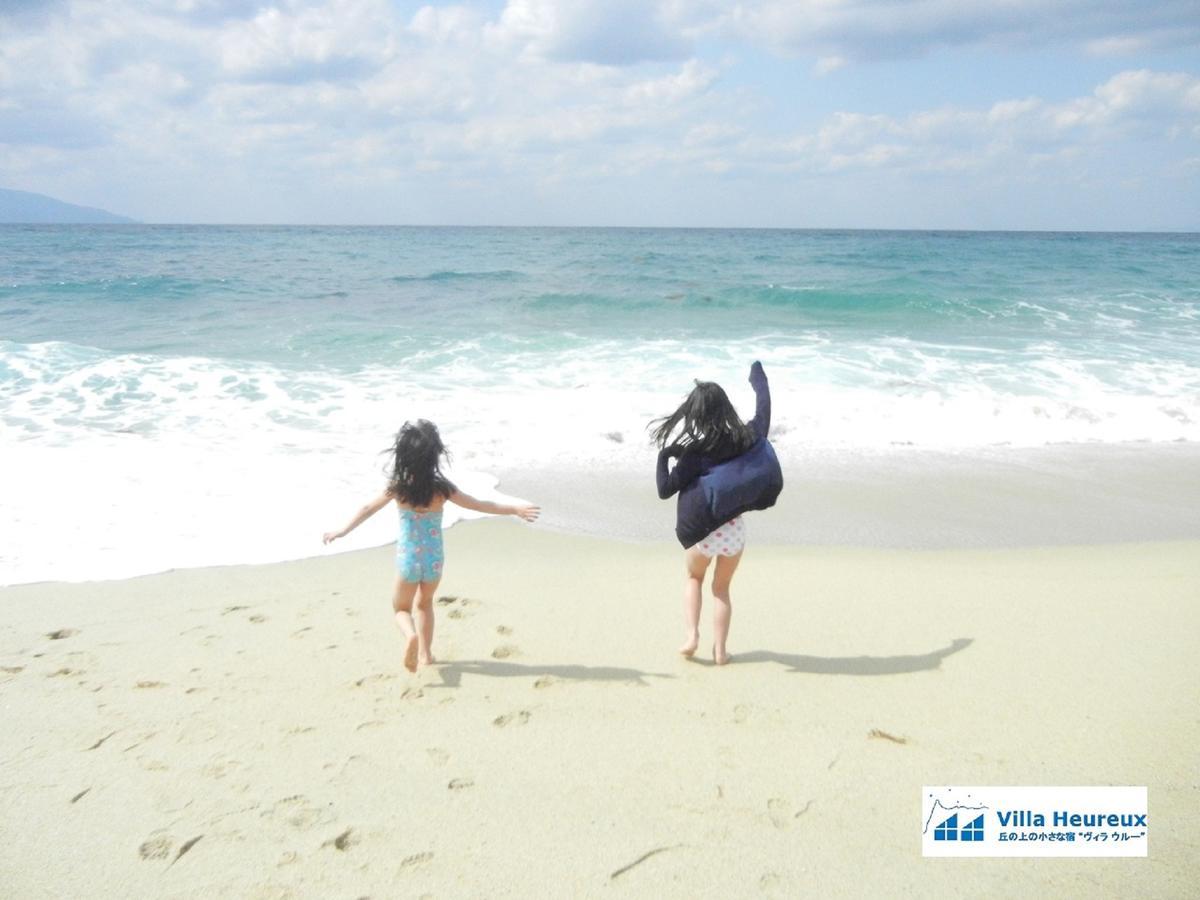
(694,519)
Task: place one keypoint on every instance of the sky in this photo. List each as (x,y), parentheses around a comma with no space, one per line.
(979,114)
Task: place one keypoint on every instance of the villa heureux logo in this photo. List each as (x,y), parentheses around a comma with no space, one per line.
(1034,821)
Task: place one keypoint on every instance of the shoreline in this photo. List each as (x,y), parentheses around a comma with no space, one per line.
(909,498)
(905,498)
(249,731)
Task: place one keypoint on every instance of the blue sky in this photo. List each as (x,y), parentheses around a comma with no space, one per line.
(774,113)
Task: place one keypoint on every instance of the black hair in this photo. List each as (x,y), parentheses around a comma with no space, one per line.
(416,474)
(707,422)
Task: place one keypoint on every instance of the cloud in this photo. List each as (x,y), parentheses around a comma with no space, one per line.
(884,29)
(231,110)
(606,32)
(340,40)
(1008,134)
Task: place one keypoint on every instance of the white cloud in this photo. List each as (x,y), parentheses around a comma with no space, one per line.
(885,29)
(200,104)
(607,32)
(339,39)
(828,64)
(445,24)
(1008,138)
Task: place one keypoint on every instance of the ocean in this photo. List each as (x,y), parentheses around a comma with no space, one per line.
(175,396)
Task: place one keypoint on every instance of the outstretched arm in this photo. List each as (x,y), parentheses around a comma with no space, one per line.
(368,510)
(761,423)
(527,512)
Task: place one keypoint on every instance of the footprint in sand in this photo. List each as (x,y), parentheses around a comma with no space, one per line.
(446,600)
(458,784)
(150,684)
(544,682)
(12,670)
(219,767)
(343,841)
(504,651)
(373,723)
(415,860)
(412,694)
(62,633)
(504,630)
(297,811)
(258,619)
(155,847)
(520,717)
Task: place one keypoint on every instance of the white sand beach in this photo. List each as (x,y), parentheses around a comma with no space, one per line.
(250,732)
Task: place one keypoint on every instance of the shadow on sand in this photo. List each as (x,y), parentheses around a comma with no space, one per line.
(855,665)
(452,672)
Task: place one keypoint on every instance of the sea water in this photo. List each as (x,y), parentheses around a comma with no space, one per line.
(178,396)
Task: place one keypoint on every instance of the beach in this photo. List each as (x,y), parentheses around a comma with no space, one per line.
(249,731)
(983,569)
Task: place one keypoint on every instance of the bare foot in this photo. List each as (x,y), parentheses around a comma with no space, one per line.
(410,654)
(426,660)
(721,658)
(688,648)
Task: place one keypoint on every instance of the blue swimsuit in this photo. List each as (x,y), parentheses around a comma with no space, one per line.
(419,553)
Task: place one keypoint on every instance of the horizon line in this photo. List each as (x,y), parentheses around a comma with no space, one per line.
(813,228)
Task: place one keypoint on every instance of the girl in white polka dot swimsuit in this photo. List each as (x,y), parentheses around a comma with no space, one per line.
(703,435)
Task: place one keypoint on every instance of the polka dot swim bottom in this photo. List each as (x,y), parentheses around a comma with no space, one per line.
(728,540)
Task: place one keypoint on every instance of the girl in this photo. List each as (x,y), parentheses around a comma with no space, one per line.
(420,492)
(712,434)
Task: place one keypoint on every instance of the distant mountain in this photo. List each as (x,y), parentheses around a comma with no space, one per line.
(22,207)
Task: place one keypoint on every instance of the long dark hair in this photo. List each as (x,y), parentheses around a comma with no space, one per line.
(707,422)
(416,474)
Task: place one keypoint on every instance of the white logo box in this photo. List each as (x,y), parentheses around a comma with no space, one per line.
(1034,821)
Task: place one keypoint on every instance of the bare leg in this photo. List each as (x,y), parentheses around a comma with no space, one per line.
(722,605)
(402,601)
(697,565)
(425,622)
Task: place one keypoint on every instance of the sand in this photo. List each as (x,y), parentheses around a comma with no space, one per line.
(249,732)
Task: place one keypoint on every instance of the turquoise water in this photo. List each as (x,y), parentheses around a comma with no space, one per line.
(239,362)
(355,296)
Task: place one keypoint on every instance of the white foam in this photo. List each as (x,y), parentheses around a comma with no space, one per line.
(121,465)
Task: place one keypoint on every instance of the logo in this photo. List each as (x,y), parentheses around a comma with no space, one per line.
(957,804)
(1034,821)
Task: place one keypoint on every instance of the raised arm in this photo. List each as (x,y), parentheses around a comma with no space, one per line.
(529,513)
(761,423)
(368,509)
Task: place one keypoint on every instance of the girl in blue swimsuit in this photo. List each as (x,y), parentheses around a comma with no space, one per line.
(420,492)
